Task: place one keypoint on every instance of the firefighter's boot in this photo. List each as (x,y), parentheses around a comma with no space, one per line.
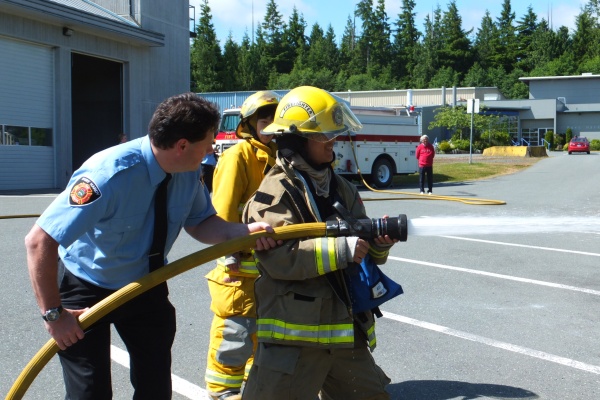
(228,396)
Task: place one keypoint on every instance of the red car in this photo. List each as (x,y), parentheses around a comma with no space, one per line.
(579,144)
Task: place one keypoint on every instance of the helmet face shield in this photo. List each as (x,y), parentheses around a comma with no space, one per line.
(265,98)
(320,119)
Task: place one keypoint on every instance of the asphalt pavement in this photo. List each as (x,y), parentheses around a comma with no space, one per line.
(496,315)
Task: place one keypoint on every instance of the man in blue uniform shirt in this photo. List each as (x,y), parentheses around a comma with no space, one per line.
(102,227)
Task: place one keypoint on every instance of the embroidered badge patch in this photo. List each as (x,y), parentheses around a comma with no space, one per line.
(83,192)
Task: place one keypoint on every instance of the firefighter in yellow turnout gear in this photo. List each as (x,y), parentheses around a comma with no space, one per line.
(310,339)
(237,176)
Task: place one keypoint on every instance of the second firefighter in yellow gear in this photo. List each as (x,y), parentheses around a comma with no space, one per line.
(239,173)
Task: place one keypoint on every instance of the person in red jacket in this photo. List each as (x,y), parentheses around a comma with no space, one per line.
(425,154)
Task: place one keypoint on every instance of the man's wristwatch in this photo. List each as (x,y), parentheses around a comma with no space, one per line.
(52,314)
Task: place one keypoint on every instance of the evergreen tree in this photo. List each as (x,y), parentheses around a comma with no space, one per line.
(541,44)
(405,44)
(506,45)
(206,58)
(326,53)
(455,52)
(476,77)
(231,55)
(314,58)
(427,59)
(360,60)
(277,52)
(264,66)
(252,69)
(486,34)
(562,42)
(380,50)
(348,49)
(525,30)
(583,37)
(364,59)
(245,70)
(294,36)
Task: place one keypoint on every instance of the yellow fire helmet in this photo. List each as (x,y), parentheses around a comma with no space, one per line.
(313,113)
(251,105)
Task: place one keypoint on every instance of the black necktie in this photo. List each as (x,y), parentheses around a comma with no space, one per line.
(157,250)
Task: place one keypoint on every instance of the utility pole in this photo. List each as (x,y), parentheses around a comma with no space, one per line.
(472,108)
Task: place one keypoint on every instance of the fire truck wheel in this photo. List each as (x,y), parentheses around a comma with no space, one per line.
(382,173)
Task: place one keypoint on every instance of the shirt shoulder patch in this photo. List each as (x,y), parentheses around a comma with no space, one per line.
(84,192)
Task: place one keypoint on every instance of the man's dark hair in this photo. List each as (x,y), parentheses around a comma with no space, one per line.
(184,116)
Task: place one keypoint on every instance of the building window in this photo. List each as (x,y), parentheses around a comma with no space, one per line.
(41,137)
(25,136)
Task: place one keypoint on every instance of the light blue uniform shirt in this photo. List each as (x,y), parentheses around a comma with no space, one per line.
(104,220)
(209,159)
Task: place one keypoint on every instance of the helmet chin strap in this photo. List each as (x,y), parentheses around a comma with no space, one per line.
(251,129)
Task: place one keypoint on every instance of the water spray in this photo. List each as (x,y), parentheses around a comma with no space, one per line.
(457,226)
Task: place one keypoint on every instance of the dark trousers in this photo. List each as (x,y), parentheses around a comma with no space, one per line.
(429,172)
(146,325)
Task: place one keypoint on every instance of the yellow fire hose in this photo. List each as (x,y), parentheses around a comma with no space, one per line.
(19,216)
(123,295)
(465,200)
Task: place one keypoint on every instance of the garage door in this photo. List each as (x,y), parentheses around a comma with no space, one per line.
(26,116)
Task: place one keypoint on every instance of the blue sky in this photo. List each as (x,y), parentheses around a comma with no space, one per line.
(235,16)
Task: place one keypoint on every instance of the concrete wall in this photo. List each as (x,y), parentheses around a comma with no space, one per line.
(515,151)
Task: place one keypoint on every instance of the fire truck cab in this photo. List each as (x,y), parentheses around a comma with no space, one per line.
(226,136)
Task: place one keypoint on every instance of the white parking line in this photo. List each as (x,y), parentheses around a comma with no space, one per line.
(494,275)
(495,343)
(524,245)
(180,385)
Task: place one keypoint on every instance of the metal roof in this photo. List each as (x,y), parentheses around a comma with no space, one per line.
(84,16)
(93,8)
(552,78)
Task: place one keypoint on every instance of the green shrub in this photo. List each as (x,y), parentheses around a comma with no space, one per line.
(559,141)
(550,139)
(444,147)
(498,139)
(461,144)
(595,144)
(566,147)
(568,135)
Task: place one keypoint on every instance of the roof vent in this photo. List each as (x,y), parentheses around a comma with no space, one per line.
(562,99)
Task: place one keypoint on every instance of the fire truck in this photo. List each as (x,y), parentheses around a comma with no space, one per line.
(226,136)
(384,147)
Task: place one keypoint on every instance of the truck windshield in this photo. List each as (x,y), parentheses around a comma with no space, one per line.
(229,122)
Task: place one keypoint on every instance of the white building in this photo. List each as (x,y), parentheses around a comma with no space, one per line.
(75,74)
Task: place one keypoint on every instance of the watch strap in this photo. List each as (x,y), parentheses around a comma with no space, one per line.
(58,309)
